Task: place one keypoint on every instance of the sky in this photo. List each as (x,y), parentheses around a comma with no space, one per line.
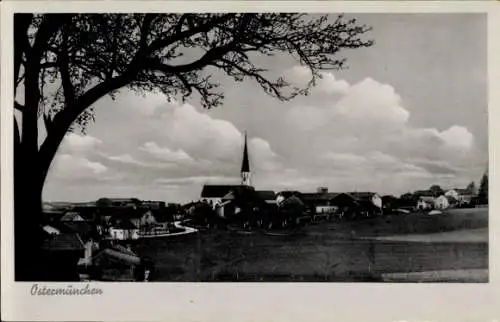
(409,112)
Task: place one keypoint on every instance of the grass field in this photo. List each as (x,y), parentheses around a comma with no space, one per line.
(347,252)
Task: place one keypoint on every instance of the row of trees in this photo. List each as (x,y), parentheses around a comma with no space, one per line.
(64,63)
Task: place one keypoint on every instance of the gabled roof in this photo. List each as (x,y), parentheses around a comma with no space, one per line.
(71,216)
(266,194)
(463,191)
(344,199)
(424,193)
(51,230)
(82,228)
(64,242)
(318,196)
(292,201)
(427,198)
(362,195)
(125,225)
(116,255)
(218,191)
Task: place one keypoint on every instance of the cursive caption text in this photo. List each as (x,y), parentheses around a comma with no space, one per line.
(69,290)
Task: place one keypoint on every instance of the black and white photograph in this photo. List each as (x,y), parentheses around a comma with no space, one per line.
(250,147)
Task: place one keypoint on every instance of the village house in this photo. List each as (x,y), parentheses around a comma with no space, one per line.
(72,216)
(268,196)
(370,202)
(426,202)
(119,263)
(441,202)
(62,252)
(141,218)
(49,229)
(213,194)
(353,204)
(153,205)
(461,196)
(320,202)
(124,230)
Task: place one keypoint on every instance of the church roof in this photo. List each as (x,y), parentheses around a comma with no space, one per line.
(217,191)
(245,164)
(266,194)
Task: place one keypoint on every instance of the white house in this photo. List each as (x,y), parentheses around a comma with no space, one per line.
(279,199)
(124,230)
(426,202)
(441,202)
(325,209)
(462,196)
(453,194)
(51,230)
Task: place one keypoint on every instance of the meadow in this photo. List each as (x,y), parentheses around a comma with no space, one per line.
(358,251)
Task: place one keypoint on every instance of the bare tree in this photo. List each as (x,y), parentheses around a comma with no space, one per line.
(64,63)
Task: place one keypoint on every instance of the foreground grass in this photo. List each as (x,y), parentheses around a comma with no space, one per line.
(326,252)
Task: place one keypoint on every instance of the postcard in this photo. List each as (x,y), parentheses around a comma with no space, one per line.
(246,160)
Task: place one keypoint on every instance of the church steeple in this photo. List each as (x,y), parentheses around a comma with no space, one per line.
(245,166)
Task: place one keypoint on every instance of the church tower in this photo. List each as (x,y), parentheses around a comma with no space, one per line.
(245,166)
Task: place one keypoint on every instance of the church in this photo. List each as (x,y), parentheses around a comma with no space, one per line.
(214,194)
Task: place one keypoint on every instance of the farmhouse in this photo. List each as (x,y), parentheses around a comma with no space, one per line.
(441,202)
(426,202)
(320,202)
(124,230)
(461,196)
(72,216)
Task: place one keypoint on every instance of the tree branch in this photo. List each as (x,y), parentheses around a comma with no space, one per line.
(211,55)
(19,106)
(63,63)
(21,44)
(167,41)
(63,120)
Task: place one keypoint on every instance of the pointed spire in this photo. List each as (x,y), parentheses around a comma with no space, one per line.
(245,165)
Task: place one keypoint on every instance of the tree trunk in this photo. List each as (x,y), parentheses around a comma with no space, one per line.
(27,222)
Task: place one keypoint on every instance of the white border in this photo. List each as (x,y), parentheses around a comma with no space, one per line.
(252,302)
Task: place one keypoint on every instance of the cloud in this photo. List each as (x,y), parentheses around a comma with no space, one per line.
(125,158)
(69,166)
(198,134)
(198,180)
(458,137)
(330,85)
(165,154)
(372,101)
(344,136)
(76,143)
(326,84)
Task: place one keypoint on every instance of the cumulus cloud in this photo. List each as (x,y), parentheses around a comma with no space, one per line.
(79,143)
(165,154)
(69,166)
(372,101)
(125,158)
(327,83)
(457,136)
(198,180)
(344,136)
